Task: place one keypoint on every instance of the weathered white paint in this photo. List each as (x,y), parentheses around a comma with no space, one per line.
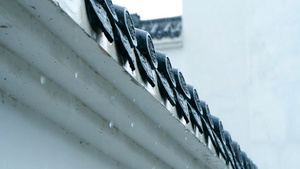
(29,140)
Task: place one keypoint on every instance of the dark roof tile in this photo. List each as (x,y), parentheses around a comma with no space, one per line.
(159,28)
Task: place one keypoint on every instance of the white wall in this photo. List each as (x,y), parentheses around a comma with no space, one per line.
(243,58)
(30,141)
(66,102)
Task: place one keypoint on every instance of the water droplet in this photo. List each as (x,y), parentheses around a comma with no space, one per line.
(132,124)
(153,167)
(110,44)
(185,138)
(56,3)
(187,166)
(111,124)
(76,75)
(43,80)
(112,97)
(133,100)
(155,142)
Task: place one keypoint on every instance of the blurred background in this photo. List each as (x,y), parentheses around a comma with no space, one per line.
(243,57)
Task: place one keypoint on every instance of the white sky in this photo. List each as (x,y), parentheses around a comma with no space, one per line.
(150,9)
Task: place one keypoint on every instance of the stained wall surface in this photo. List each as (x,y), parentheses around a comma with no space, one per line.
(30,140)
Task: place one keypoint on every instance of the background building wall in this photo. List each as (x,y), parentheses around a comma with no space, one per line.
(243,58)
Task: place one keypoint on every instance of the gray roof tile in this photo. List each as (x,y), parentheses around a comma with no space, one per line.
(159,28)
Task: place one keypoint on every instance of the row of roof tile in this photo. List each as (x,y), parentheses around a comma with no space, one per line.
(159,28)
(135,45)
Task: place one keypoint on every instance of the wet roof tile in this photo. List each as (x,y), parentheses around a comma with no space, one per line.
(159,28)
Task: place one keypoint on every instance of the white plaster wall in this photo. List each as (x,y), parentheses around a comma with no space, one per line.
(30,141)
(244,59)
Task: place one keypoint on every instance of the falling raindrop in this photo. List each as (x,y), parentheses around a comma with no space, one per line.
(76,75)
(185,138)
(187,166)
(132,124)
(110,44)
(43,80)
(112,97)
(153,167)
(133,100)
(155,142)
(111,124)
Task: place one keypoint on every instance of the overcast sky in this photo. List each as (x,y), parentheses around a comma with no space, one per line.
(152,9)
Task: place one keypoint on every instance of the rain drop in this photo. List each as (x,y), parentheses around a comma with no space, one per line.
(132,124)
(153,167)
(155,142)
(187,166)
(133,100)
(111,124)
(76,75)
(43,80)
(56,3)
(110,44)
(185,138)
